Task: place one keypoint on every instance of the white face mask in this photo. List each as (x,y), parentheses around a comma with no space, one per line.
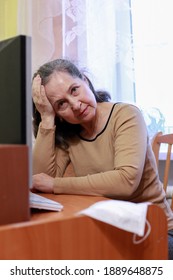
(122,214)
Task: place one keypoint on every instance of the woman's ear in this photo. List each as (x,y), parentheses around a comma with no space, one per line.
(88,82)
(85,79)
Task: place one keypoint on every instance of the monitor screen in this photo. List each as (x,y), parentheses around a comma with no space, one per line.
(15,90)
(15,93)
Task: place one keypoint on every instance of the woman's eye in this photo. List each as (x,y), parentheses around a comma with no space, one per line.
(74,90)
(62,105)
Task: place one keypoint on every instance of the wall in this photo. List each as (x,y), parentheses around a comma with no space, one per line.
(8,18)
(15,18)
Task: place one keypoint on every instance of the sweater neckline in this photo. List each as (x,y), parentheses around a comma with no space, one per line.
(90,140)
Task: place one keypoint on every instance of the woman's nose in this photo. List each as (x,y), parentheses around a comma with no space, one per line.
(75,105)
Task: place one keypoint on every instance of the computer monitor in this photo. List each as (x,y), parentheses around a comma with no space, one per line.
(15,92)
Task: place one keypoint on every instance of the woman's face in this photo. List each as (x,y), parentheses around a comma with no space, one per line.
(71,98)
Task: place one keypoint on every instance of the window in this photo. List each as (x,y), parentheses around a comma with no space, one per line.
(127,46)
(152,23)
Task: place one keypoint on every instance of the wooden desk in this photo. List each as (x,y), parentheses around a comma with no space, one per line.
(62,235)
(14,184)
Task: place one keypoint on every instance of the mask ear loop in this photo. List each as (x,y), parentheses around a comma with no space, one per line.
(135,241)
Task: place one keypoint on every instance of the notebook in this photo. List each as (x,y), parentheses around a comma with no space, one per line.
(40,202)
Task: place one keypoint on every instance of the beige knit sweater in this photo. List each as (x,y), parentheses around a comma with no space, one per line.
(118,163)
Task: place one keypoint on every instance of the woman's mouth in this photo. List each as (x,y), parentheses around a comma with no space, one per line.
(84,112)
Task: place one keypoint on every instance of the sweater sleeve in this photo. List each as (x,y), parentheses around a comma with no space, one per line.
(130,146)
(46,157)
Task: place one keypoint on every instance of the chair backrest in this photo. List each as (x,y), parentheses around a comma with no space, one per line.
(156,142)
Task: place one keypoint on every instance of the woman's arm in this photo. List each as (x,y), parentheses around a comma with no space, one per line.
(46,157)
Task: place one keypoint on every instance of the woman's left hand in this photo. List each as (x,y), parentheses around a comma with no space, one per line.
(42,183)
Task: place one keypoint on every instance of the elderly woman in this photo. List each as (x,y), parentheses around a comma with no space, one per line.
(107,143)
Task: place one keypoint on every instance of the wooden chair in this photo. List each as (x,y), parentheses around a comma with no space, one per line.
(156,142)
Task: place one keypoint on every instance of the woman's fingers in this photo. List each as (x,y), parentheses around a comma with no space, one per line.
(39,97)
(36,84)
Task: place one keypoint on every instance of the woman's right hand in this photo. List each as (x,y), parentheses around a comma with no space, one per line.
(42,103)
(42,183)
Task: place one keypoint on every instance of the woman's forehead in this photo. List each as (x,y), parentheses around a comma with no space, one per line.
(62,78)
(60,83)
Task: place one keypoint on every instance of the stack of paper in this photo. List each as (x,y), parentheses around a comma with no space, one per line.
(40,202)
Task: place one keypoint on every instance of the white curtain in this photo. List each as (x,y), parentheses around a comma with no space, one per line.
(126,46)
(88,32)
(24,17)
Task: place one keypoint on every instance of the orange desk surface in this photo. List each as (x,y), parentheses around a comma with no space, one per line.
(66,236)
